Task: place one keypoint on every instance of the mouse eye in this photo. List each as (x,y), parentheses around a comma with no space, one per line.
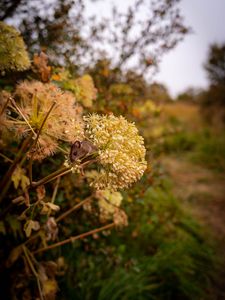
(75,153)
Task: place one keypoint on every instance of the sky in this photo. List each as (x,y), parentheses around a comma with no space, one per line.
(183,66)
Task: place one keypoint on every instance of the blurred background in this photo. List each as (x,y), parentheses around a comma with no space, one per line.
(161,64)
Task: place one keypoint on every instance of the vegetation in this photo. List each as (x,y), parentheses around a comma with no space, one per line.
(88,209)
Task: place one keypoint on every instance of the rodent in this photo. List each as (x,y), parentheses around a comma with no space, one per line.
(81,149)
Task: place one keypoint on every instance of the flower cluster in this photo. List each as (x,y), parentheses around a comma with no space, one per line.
(109,205)
(12,50)
(121,151)
(64,122)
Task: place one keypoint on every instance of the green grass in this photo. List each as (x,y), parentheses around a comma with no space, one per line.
(162,254)
(203,147)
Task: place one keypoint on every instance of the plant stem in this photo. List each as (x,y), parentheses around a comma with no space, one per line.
(6,181)
(4,106)
(34,271)
(36,140)
(51,176)
(6,158)
(69,211)
(25,119)
(74,238)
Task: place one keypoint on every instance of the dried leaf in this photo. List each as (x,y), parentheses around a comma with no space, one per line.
(40,192)
(31,225)
(13,256)
(50,288)
(41,66)
(52,206)
(20,179)
(51,229)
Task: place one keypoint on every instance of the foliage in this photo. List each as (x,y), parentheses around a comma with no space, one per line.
(67,156)
(215,65)
(39,119)
(71,37)
(161,255)
(14,56)
(213,99)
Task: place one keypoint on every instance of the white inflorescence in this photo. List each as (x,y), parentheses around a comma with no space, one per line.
(121,151)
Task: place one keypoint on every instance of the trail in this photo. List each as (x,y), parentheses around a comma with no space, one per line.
(203,192)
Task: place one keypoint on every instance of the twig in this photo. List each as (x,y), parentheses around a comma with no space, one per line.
(6,181)
(34,271)
(55,190)
(74,238)
(6,158)
(36,140)
(52,176)
(18,109)
(75,207)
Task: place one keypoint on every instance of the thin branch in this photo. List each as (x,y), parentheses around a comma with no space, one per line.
(55,190)
(6,181)
(52,176)
(6,158)
(4,106)
(75,207)
(74,238)
(25,119)
(36,140)
(34,271)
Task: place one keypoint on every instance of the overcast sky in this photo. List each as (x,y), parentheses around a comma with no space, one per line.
(183,66)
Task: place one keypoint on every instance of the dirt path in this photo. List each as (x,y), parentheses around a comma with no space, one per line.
(203,192)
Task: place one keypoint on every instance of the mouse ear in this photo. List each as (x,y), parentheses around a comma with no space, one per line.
(77,144)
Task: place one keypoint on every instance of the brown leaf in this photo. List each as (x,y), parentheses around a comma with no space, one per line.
(41,66)
(31,225)
(40,192)
(51,229)
(13,256)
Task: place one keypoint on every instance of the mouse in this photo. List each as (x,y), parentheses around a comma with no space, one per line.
(81,149)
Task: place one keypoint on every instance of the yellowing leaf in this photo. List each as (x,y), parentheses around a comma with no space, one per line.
(49,287)
(20,179)
(56,77)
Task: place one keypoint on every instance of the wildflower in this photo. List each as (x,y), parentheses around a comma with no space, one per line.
(34,99)
(109,206)
(12,50)
(121,151)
